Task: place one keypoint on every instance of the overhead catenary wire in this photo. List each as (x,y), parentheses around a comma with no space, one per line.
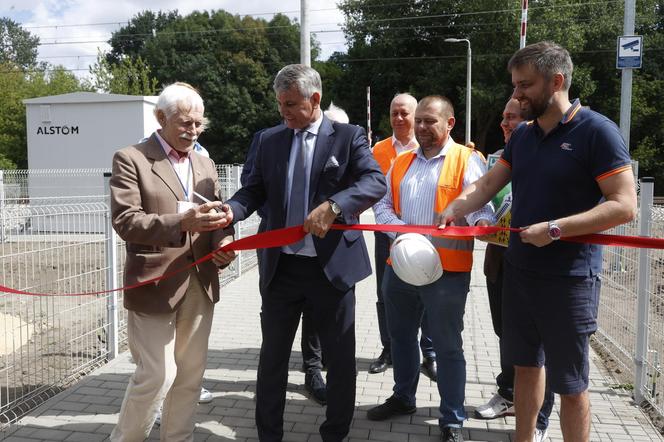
(59,41)
(475,25)
(356,60)
(249,14)
(262,27)
(455,14)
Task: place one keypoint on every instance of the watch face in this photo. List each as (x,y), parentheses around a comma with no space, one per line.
(335,208)
(554,232)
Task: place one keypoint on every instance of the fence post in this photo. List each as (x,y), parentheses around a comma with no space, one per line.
(237,174)
(111,276)
(643,291)
(2,206)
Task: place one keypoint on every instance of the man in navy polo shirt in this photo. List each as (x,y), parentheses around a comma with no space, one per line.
(571,175)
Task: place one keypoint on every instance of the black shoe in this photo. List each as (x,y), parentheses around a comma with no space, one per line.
(391,407)
(451,434)
(315,386)
(381,364)
(429,369)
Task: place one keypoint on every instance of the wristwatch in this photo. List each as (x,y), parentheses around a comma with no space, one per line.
(336,208)
(554,231)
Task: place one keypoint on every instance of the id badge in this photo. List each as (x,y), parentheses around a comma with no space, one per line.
(183,206)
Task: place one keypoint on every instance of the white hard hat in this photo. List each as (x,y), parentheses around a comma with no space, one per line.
(415,260)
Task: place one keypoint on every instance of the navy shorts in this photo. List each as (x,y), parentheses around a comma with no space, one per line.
(547,321)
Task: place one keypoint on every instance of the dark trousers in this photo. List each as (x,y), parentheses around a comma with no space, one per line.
(312,358)
(381,253)
(300,284)
(505,379)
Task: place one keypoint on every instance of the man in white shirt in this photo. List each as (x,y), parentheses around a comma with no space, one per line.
(420,184)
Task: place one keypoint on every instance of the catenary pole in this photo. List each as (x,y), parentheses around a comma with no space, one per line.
(524,23)
(305,37)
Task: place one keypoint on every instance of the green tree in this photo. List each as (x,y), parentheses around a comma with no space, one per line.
(230,59)
(17,45)
(128,76)
(6,163)
(131,39)
(647,134)
(12,126)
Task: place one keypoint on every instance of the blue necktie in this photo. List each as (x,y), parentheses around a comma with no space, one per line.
(296,208)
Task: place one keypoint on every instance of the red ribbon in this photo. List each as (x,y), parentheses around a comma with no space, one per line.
(289,235)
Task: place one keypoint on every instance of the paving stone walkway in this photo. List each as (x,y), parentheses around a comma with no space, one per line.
(88,411)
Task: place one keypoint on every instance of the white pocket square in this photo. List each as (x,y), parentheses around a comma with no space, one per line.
(332,163)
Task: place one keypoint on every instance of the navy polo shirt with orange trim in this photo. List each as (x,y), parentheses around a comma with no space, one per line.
(557,175)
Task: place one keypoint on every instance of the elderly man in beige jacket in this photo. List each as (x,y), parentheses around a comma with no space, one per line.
(156,189)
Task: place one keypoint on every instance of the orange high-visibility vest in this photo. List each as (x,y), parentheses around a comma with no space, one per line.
(456,254)
(384,153)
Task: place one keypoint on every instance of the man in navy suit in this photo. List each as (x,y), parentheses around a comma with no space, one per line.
(312,358)
(314,172)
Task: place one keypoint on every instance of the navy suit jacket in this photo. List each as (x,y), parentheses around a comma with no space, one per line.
(249,166)
(356,184)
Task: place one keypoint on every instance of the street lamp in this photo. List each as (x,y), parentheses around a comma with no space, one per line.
(459,40)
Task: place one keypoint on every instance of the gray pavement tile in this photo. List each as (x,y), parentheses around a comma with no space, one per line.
(225,411)
(488,436)
(423,438)
(78,436)
(391,436)
(410,428)
(51,434)
(101,409)
(69,406)
(20,439)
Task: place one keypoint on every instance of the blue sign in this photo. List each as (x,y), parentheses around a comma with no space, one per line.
(630,52)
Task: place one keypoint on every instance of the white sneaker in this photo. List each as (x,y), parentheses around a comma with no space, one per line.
(539,435)
(498,406)
(205,397)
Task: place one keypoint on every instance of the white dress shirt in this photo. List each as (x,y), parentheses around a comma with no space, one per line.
(399,147)
(418,191)
(182,167)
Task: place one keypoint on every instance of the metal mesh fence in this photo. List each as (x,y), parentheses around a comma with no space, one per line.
(53,238)
(46,341)
(619,319)
(653,384)
(617,310)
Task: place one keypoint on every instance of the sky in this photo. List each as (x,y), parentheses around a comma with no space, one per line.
(72,31)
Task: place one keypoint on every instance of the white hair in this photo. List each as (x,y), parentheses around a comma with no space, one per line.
(178,97)
(335,113)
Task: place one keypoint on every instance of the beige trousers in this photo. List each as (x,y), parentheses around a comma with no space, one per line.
(170,352)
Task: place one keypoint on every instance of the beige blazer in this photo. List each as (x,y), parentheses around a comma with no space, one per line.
(144,194)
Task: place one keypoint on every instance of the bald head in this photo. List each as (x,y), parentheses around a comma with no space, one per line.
(402,117)
(511,118)
(404,100)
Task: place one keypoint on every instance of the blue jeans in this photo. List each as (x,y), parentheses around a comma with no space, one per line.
(444,302)
(381,253)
